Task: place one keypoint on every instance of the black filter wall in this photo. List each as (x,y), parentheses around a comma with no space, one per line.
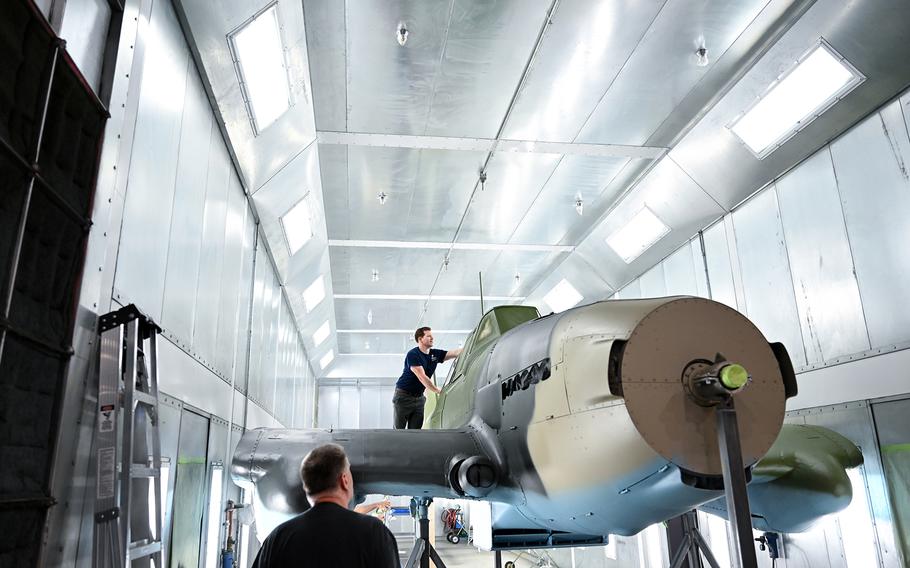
(51,125)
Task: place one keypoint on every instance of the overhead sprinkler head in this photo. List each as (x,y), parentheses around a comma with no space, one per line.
(701,57)
(382,197)
(579,206)
(402,34)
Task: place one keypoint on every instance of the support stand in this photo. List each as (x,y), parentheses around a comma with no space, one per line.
(423,551)
(691,545)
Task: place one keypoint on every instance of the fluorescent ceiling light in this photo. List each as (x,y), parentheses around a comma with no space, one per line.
(447,246)
(213,545)
(263,77)
(637,236)
(406,331)
(297,226)
(423,297)
(563,296)
(314,293)
(326,359)
(321,334)
(818,80)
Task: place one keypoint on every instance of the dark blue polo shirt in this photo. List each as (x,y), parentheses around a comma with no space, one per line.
(408,380)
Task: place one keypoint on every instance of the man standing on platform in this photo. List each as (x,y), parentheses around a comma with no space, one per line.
(419,366)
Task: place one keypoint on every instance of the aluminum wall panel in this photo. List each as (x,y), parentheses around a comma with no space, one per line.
(698,263)
(386,411)
(631,291)
(653,284)
(720,270)
(827,296)
(257,321)
(242,345)
(871,167)
(185,246)
(231,277)
(85,26)
(269,361)
(371,402)
(142,258)
(211,262)
(679,273)
(349,407)
(767,285)
(184,378)
(328,407)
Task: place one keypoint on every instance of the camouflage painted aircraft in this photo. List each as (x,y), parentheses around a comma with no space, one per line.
(586,423)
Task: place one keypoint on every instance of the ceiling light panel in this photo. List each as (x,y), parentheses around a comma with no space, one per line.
(563,296)
(314,293)
(297,225)
(327,359)
(322,334)
(638,235)
(258,50)
(817,81)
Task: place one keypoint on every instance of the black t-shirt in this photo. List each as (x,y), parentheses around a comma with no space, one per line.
(328,535)
(415,357)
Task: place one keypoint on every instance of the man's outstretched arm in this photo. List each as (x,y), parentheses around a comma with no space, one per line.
(424,379)
(452,353)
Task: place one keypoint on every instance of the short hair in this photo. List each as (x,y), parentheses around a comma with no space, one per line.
(320,469)
(421,331)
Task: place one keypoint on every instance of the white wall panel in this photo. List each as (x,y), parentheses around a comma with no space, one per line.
(184,378)
(720,271)
(386,412)
(767,286)
(328,406)
(208,290)
(242,343)
(257,340)
(370,406)
(631,291)
(85,26)
(142,257)
(185,245)
(231,283)
(679,273)
(653,284)
(258,417)
(827,296)
(871,163)
(698,264)
(349,407)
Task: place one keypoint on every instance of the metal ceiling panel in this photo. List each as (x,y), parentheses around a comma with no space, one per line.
(326,48)
(513,182)
(403,314)
(486,49)
(552,218)
(427,192)
(726,169)
(870,163)
(767,284)
(583,50)
(299,179)
(393,342)
(663,69)
(579,274)
(390,87)
(827,295)
(681,204)
(401,271)
(261,156)
(462,274)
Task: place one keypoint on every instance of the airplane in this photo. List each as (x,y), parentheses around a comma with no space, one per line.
(585,423)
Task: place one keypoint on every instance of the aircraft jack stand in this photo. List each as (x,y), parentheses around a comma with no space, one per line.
(710,392)
(423,551)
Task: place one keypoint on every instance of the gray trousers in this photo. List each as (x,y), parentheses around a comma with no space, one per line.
(408,410)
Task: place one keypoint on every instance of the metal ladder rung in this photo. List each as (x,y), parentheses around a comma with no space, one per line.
(145,398)
(143,471)
(142,550)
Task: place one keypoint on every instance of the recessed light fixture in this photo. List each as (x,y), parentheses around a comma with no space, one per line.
(817,81)
(579,206)
(322,333)
(314,293)
(638,235)
(370,317)
(327,359)
(563,296)
(257,49)
(382,197)
(366,345)
(297,225)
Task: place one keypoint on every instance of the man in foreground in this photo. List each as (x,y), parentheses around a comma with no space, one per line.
(419,366)
(329,534)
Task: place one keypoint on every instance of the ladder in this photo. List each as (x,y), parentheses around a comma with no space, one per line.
(127,425)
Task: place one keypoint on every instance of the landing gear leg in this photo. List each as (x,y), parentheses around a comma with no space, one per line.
(423,551)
